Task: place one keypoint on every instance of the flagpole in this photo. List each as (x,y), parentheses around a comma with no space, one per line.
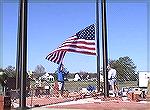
(97,44)
(18,60)
(104,47)
(23,52)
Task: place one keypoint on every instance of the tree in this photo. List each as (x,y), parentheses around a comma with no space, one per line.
(84,75)
(125,68)
(39,69)
(10,71)
(3,76)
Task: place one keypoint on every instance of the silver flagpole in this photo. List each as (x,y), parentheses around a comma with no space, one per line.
(104,47)
(97,45)
(23,52)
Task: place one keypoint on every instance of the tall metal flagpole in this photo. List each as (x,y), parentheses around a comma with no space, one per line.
(97,44)
(104,46)
(19,53)
(23,56)
(18,59)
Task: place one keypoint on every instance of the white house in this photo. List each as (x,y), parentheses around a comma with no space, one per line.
(47,77)
(51,78)
(77,77)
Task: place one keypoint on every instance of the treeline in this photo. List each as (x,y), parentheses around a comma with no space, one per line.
(125,67)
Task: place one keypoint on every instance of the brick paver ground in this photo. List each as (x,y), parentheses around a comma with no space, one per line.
(54,103)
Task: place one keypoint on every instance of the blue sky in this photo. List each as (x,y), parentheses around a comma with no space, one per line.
(50,23)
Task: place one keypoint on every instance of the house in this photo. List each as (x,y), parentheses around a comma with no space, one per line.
(48,77)
(77,77)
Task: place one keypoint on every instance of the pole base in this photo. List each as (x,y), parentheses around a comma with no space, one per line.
(22,108)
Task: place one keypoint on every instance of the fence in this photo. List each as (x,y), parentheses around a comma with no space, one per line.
(46,92)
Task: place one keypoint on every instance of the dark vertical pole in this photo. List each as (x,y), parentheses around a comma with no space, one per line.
(97,44)
(23,56)
(104,46)
(19,53)
(18,59)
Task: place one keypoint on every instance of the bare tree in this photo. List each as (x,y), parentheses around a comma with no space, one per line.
(39,69)
(10,71)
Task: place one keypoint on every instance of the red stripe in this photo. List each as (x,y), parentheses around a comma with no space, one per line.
(83,52)
(79,42)
(57,56)
(53,56)
(61,56)
(78,47)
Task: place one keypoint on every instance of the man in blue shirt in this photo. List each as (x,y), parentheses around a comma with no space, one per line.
(60,78)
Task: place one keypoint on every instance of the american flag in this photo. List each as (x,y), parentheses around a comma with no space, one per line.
(82,42)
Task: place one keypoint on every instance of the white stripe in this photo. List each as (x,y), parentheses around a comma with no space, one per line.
(57,53)
(59,56)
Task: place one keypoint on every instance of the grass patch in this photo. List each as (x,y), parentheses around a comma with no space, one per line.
(78,85)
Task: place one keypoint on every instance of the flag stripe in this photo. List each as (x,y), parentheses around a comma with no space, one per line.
(56,57)
(79,51)
(61,57)
(53,56)
(79,41)
(76,46)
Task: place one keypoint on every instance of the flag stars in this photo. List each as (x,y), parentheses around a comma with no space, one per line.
(87,33)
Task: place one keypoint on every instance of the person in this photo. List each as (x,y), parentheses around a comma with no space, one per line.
(112,79)
(60,78)
(56,89)
(148,89)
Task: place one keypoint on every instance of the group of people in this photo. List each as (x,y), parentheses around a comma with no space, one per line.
(111,79)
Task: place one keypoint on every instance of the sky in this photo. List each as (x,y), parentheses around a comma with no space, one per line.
(51,23)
